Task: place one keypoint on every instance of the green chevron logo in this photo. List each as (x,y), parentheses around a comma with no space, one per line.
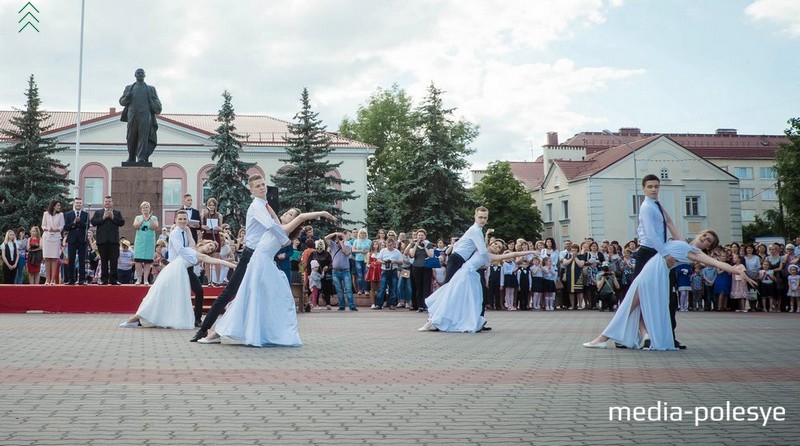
(29,15)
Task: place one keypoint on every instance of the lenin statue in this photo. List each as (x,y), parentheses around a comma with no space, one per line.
(141,107)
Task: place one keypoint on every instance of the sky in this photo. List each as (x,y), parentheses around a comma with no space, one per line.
(517,69)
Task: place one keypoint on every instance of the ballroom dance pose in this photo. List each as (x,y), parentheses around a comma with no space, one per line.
(457,306)
(645,310)
(264,312)
(168,301)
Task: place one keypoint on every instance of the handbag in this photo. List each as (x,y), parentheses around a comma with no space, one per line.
(405,273)
(559,285)
(433,262)
(752,294)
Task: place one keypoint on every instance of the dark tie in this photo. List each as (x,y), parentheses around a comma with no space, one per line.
(663,220)
(183,234)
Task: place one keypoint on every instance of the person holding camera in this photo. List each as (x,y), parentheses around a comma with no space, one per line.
(340,254)
(391,259)
(144,243)
(419,250)
(606,282)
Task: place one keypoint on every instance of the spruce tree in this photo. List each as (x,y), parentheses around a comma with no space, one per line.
(28,177)
(306,183)
(228,178)
(512,209)
(427,183)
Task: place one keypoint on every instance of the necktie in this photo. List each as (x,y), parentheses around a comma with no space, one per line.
(183,234)
(663,220)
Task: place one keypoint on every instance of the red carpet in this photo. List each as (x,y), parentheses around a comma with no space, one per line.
(78,299)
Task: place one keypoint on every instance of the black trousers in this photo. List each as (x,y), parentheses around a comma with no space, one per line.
(109,255)
(421,279)
(454,263)
(197,289)
(642,256)
(229,292)
(77,249)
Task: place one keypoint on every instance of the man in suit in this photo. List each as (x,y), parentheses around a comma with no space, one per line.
(76,222)
(141,107)
(108,221)
(194,215)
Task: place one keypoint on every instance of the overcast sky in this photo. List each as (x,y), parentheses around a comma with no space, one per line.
(516,68)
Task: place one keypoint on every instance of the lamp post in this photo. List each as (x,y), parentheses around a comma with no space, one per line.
(635,171)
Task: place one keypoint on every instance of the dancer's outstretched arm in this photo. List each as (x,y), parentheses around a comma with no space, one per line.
(304,217)
(510,255)
(699,256)
(214,261)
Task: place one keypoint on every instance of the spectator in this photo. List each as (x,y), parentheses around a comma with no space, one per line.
(374,271)
(144,244)
(324,259)
(108,221)
(361,247)
(295,261)
(125,263)
(22,248)
(76,223)
(340,254)
(419,250)
(52,225)
(10,255)
(211,224)
(390,259)
(194,215)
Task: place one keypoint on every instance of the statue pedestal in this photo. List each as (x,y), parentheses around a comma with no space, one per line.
(130,186)
(137,164)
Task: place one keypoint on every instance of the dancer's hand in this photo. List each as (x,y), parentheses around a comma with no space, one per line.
(747,279)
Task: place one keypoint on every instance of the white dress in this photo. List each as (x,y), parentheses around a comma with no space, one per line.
(263,312)
(653,286)
(456,306)
(168,302)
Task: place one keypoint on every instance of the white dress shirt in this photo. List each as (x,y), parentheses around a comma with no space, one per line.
(258,222)
(651,225)
(471,241)
(180,242)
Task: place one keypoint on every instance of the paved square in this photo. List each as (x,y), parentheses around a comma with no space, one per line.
(371,378)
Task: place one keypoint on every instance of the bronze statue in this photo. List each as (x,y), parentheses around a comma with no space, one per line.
(141,107)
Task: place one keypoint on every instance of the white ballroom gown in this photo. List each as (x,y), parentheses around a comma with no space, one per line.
(456,306)
(263,312)
(653,286)
(168,302)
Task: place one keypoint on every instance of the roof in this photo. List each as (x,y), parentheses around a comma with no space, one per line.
(530,173)
(255,129)
(721,145)
(599,160)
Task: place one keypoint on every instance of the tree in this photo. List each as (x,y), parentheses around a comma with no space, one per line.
(28,175)
(228,178)
(426,179)
(307,182)
(512,210)
(768,226)
(386,122)
(787,166)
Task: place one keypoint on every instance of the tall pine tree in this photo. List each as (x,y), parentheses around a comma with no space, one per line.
(307,182)
(427,181)
(28,176)
(228,178)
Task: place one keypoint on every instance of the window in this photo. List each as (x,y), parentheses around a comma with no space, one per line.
(565,210)
(664,173)
(743,173)
(172,192)
(93,193)
(769,195)
(746,193)
(206,191)
(636,201)
(768,173)
(748,215)
(692,206)
(548,212)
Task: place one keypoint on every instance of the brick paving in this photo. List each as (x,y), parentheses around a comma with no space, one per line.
(371,378)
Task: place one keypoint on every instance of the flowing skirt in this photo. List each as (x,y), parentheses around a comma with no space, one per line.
(456,306)
(168,302)
(653,287)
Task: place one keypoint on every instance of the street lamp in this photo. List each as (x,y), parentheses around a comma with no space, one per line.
(635,179)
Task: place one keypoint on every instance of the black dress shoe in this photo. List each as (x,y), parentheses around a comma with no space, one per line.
(646,343)
(679,346)
(199,335)
(618,345)
(114,282)
(198,323)
(82,282)
(70,283)
(485,328)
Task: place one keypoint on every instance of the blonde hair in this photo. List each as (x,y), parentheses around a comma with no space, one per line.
(144,203)
(9,233)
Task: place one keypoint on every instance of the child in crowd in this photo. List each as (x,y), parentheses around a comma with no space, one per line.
(738,286)
(493,285)
(794,289)
(508,282)
(766,286)
(549,277)
(404,282)
(524,283)
(722,285)
(696,281)
(683,272)
(314,283)
(537,281)
(709,277)
(374,271)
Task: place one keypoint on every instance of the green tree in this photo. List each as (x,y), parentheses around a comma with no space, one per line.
(228,178)
(426,179)
(787,166)
(386,122)
(512,210)
(29,179)
(307,183)
(767,226)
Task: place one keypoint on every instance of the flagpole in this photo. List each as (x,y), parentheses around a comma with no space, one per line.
(75,167)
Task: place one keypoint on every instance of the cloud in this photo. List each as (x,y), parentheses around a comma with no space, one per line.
(784,13)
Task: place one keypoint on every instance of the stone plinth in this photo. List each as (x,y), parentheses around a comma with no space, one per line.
(130,186)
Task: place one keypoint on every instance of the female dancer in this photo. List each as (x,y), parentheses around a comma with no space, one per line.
(645,309)
(456,306)
(264,312)
(168,302)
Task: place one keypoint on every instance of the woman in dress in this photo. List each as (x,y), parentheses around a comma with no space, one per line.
(34,255)
(52,225)
(210,223)
(168,303)
(263,312)
(456,306)
(645,310)
(144,244)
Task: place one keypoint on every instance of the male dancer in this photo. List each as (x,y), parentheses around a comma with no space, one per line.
(260,217)
(652,231)
(471,242)
(179,239)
